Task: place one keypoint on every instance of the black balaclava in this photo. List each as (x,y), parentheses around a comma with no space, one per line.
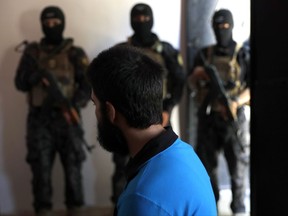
(223,35)
(142,30)
(53,35)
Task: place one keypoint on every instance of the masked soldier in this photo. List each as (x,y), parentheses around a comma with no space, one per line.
(217,120)
(141,20)
(52,73)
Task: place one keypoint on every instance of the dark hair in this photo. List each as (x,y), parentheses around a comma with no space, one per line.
(131,81)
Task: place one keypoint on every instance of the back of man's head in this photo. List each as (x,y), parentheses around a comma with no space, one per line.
(131,81)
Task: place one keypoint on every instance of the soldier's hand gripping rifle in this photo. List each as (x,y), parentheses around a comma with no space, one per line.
(55,95)
(217,92)
(69,112)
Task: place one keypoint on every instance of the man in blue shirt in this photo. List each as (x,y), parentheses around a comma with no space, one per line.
(164,174)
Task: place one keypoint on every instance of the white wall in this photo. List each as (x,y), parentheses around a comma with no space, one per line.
(241,15)
(95,25)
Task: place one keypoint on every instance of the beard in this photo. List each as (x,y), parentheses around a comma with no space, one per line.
(111,137)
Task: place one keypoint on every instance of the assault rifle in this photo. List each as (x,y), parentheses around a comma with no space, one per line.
(217,91)
(69,112)
(55,95)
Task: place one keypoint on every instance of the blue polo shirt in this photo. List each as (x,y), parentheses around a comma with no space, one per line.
(166,178)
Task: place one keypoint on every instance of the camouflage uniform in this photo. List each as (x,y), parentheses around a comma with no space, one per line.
(215,133)
(48,131)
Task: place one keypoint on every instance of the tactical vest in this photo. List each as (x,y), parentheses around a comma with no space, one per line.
(154,52)
(229,71)
(59,65)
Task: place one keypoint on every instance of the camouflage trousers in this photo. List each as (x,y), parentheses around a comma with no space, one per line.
(216,135)
(47,136)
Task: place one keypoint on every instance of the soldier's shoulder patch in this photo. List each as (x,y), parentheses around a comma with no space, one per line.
(180,59)
(85,61)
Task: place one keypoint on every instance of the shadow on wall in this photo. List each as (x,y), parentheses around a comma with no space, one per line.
(29,25)
(13,150)
(14,182)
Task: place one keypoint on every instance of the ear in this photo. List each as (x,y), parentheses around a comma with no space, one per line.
(110,111)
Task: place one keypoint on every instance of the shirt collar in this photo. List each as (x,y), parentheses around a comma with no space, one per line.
(150,149)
